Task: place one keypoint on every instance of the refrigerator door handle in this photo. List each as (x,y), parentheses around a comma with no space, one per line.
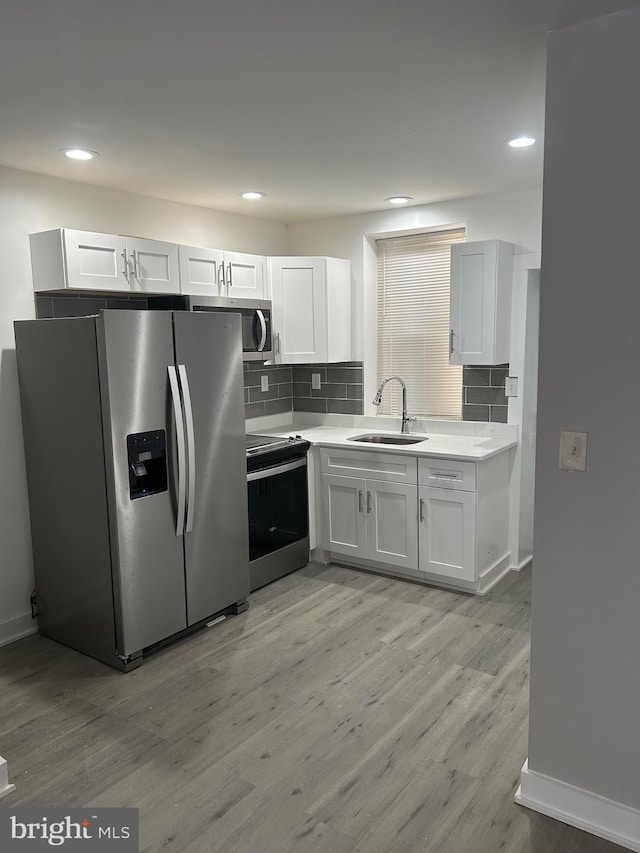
(191,446)
(177,414)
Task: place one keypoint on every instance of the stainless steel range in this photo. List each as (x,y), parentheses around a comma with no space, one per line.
(278,506)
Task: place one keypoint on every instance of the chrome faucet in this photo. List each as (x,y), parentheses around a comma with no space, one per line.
(378,398)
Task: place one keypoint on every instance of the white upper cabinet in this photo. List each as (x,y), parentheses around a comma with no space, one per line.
(201,271)
(245,276)
(481,282)
(311,309)
(212,272)
(66,259)
(153,266)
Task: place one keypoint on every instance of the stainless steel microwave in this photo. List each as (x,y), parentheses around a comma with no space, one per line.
(257,336)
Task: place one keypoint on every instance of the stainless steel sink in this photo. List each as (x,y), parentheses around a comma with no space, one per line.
(375,438)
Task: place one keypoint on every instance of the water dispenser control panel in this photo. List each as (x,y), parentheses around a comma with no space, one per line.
(147,458)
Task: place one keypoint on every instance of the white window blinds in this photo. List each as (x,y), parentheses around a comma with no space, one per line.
(413,325)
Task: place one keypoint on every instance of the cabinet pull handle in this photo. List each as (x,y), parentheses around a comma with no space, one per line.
(360,500)
(278,343)
(125,265)
(230,276)
(450,341)
(135,265)
(368,502)
(421,510)
(220,278)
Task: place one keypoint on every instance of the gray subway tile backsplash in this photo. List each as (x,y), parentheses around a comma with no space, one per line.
(276,407)
(301,404)
(302,373)
(483,397)
(330,389)
(344,374)
(476,376)
(344,407)
(340,392)
(278,397)
(486,396)
(475,413)
(499,414)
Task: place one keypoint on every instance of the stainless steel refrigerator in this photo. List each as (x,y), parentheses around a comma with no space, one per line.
(134,438)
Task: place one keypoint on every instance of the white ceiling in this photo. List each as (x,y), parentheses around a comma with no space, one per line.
(328,106)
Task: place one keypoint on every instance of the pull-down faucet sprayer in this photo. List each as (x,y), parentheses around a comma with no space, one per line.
(378,398)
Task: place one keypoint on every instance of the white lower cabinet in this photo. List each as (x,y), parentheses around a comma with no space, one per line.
(371,519)
(447,539)
(439,520)
(392,524)
(345,520)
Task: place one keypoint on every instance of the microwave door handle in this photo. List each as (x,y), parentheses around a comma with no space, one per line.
(177,414)
(263,330)
(191,446)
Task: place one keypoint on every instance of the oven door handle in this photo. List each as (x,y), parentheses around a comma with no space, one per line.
(273,472)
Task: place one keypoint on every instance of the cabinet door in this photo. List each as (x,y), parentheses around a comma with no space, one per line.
(299,309)
(392,524)
(345,521)
(95,261)
(481,283)
(447,533)
(201,271)
(153,265)
(244,275)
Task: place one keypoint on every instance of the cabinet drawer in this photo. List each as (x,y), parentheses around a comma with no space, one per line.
(390,467)
(447,474)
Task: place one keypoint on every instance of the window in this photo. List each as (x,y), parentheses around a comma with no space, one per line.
(413,325)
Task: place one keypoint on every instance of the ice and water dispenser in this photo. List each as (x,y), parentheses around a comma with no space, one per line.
(147,458)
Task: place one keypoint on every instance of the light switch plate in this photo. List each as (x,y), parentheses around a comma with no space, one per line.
(264,383)
(511,386)
(573,451)
(315,381)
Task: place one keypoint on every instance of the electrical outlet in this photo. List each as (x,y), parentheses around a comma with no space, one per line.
(573,451)
(511,386)
(315,381)
(264,383)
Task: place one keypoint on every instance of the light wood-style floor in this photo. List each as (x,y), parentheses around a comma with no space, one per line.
(342,712)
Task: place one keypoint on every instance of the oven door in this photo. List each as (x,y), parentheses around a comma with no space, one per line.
(278,514)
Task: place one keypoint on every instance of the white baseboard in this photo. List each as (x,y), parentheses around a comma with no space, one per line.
(15,629)
(522,564)
(583,809)
(5,787)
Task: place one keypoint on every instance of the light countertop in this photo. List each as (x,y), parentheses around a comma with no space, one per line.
(467,448)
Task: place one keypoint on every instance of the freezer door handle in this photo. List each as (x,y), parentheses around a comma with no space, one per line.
(177,415)
(191,446)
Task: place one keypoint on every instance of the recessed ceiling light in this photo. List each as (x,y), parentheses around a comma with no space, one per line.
(521,142)
(399,199)
(79,153)
(252,194)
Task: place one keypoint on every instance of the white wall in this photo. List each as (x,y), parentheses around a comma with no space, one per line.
(585,684)
(31,203)
(514,216)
